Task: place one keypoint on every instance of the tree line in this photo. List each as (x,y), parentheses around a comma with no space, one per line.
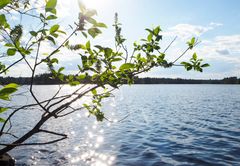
(47,79)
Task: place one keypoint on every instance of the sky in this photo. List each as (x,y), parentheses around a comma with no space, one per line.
(214,22)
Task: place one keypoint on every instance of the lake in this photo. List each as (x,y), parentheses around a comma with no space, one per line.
(165,125)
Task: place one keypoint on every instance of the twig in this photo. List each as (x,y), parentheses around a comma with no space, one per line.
(170,45)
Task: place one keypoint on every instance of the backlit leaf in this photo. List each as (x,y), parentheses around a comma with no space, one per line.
(4,3)
(127,66)
(50,6)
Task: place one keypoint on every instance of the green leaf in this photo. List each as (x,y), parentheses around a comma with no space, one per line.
(193,41)
(51,39)
(116,59)
(84,34)
(33,33)
(99,115)
(88,45)
(54,60)
(54,28)
(4,3)
(205,65)
(108,52)
(11,51)
(91,21)
(149,30)
(9,45)
(157,30)
(194,56)
(126,66)
(2,120)
(54,35)
(94,32)
(74,83)
(189,68)
(3,109)
(150,37)
(51,17)
(94,92)
(70,77)
(12,85)
(7,90)
(185,63)
(51,5)
(81,77)
(102,25)
(60,69)
(3,21)
(99,47)
(62,32)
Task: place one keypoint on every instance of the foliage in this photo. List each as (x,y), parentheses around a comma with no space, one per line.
(107,68)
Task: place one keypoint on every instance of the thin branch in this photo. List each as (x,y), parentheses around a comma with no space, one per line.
(177,65)
(66,97)
(74,110)
(117,120)
(184,53)
(14,43)
(6,133)
(170,45)
(40,143)
(126,51)
(60,87)
(25,13)
(3,71)
(58,46)
(52,132)
(132,55)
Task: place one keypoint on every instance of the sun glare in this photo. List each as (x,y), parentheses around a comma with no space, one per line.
(93,4)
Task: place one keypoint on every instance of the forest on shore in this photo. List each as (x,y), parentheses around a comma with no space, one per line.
(47,79)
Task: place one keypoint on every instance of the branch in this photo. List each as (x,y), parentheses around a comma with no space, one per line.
(184,53)
(9,134)
(23,56)
(24,13)
(74,110)
(31,144)
(117,120)
(60,87)
(170,45)
(11,65)
(66,97)
(59,46)
(52,132)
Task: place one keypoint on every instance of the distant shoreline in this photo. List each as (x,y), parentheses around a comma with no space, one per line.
(44,79)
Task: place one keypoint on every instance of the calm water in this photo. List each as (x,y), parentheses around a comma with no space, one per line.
(166,125)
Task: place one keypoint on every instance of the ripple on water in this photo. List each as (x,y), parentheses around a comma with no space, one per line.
(167,125)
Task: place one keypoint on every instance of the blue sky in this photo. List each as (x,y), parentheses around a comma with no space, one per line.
(214,22)
(220,42)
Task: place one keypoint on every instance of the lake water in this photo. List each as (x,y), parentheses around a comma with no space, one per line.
(166,125)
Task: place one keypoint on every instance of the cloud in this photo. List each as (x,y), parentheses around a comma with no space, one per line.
(185,31)
(223,51)
(224,47)
(64,7)
(214,24)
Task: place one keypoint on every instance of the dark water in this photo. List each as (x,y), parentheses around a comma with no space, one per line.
(166,125)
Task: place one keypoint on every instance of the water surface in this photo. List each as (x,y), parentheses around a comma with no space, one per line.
(166,125)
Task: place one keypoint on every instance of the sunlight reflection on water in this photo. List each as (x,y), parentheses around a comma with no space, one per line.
(168,125)
(93,140)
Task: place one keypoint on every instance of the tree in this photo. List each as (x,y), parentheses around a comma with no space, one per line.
(105,68)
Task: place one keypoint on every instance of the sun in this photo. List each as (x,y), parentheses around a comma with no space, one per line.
(93,4)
